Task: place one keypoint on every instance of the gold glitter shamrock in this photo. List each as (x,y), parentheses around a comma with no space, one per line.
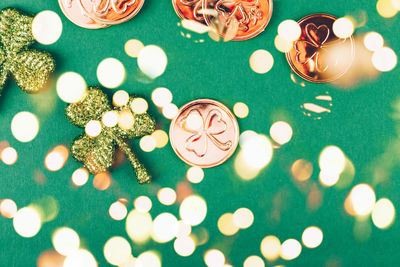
(30,68)
(97,152)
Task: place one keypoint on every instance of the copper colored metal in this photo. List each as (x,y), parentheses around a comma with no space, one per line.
(111,11)
(208,142)
(319,56)
(189,9)
(252,16)
(73,10)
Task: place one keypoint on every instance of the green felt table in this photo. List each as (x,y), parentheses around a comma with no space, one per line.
(361,123)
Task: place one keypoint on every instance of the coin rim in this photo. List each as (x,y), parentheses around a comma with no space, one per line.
(230,115)
(69,17)
(121,20)
(305,77)
(254,34)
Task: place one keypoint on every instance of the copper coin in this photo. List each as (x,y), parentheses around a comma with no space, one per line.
(205,133)
(189,9)
(111,11)
(320,56)
(244,18)
(74,11)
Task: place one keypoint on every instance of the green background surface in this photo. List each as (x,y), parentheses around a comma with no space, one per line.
(361,124)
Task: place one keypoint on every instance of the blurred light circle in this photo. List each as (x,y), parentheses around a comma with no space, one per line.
(161,138)
(80,176)
(110,118)
(386,8)
(24,126)
(139,105)
(332,160)
(283,45)
(343,28)
(373,41)
(290,249)
(71,87)
(243,218)
(261,61)
(8,208)
(117,250)
(80,258)
(245,137)
(184,246)
(93,128)
(139,226)
(301,170)
(214,258)
(143,204)
(195,174)
(147,143)
(289,30)
(226,225)
(152,61)
(253,261)
(170,111)
(133,47)
(312,237)
(241,110)
(56,158)
(120,98)
(9,155)
(165,227)
(362,198)
(270,247)
(148,259)
(257,151)
(384,59)
(65,241)
(161,97)
(126,120)
(111,73)
(193,210)
(184,229)
(47,27)
(383,213)
(27,222)
(281,132)
(117,211)
(166,196)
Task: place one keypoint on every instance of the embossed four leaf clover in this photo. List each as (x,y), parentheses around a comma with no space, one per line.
(30,68)
(97,152)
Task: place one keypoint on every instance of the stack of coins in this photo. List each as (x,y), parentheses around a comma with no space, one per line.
(243,19)
(97,14)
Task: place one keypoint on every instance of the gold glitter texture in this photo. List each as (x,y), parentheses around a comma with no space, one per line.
(97,153)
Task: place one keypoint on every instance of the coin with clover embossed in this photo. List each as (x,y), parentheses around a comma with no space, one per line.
(111,12)
(320,56)
(241,19)
(189,9)
(205,133)
(74,11)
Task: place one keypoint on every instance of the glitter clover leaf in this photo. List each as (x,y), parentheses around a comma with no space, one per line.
(97,153)
(210,128)
(30,68)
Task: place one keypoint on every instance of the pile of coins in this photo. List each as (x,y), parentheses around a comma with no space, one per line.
(97,14)
(236,20)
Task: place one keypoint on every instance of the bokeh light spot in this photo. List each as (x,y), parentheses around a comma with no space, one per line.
(143,204)
(384,59)
(166,196)
(133,47)
(117,211)
(312,237)
(243,218)
(301,170)
(373,41)
(148,259)
(226,225)
(195,174)
(343,28)
(362,198)
(241,110)
(290,249)
(147,143)
(165,227)
(56,158)
(161,97)
(139,105)
(193,210)
(111,73)
(27,222)
(24,126)
(281,132)
(120,98)
(102,181)
(139,226)
(383,213)
(253,261)
(170,111)
(80,258)
(9,155)
(47,27)
(270,247)
(65,241)
(214,258)
(161,138)
(289,30)
(261,61)
(110,118)
(8,208)
(117,250)
(152,61)
(93,128)
(80,176)
(71,87)
(184,246)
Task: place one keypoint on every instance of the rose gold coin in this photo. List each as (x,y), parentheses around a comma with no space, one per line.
(111,11)
(320,56)
(73,10)
(244,19)
(189,9)
(205,133)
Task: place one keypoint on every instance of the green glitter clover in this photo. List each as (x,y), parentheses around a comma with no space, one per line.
(30,68)
(97,153)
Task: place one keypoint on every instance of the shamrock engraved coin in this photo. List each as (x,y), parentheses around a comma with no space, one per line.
(189,9)
(75,12)
(320,56)
(243,19)
(205,133)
